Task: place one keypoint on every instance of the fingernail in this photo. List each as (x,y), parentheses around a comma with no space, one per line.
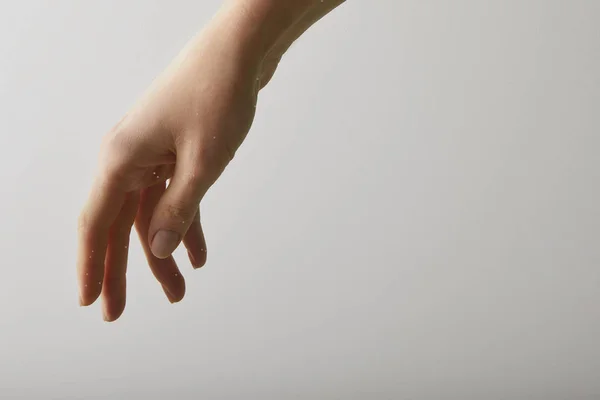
(164,243)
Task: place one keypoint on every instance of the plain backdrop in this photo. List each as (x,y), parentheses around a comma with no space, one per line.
(414,215)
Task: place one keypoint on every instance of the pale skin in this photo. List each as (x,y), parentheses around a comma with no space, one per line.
(185,130)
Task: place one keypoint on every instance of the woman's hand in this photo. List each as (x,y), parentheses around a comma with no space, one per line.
(184,131)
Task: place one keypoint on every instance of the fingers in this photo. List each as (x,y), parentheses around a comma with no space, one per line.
(176,210)
(115,264)
(99,213)
(195,243)
(165,270)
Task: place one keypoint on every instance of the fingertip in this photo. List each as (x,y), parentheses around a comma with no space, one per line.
(173,297)
(112,316)
(198,261)
(113,306)
(106,317)
(89,294)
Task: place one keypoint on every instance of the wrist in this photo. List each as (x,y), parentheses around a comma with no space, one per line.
(261,24)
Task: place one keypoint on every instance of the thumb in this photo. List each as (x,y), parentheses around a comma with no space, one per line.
(177,207)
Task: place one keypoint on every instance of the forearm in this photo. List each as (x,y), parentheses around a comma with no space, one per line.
(256,33)
(269,27)
(309,18)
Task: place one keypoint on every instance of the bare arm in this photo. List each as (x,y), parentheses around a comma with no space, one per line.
(184,130)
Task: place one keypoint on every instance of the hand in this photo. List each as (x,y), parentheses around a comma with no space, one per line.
(184,131)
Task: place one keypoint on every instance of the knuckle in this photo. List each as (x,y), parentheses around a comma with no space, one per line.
(208,163)
(180,213)
(118,140)
(115,154)
(113,138)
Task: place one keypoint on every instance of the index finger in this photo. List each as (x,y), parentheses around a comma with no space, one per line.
(100,211)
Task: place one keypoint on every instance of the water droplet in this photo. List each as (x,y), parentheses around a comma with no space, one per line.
(176,275)
(125,246)
(86,274)
(85,285)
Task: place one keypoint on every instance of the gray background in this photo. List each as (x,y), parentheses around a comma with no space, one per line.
(413,216)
